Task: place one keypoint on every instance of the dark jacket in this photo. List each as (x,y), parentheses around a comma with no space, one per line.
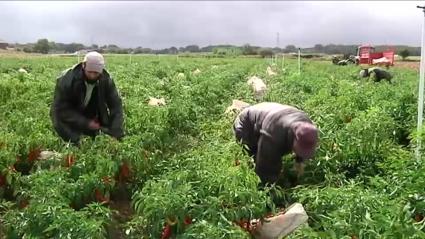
(267,129)
(68,103)
(379,74)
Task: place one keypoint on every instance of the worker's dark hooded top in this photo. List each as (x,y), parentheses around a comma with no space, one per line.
(379,74)
(69,113)
(266,128)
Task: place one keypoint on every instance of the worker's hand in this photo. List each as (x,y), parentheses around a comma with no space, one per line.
(108,132)
(94,125)
(105,130)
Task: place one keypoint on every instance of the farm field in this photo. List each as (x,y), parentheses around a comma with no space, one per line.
(179,164)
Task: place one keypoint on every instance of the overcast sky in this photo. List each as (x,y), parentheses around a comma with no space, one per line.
(179,23)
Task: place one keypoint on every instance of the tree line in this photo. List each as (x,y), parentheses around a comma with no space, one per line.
(45,46)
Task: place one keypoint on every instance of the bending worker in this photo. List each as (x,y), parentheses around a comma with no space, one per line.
(376,73)
(270,131)
(87,101)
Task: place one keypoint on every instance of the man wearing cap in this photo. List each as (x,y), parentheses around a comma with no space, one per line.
(272,130)
(87,101)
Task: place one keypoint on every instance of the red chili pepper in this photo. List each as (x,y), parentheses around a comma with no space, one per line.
(187,220)
(23,203)
(34,154)
(244,224)
(124,172)
(69,160)
(99,196)
(248,225)
(166,232)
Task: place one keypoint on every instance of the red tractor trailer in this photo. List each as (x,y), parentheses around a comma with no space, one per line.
(366,55)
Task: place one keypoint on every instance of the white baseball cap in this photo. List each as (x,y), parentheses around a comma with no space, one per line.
(94,62)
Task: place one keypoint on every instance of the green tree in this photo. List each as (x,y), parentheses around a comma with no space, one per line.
(290,48)
(173,50)
(265,52)
(192,48)
(73,47)
(318,48)
(42,46)
(52,46)
(248,50)
(404,54)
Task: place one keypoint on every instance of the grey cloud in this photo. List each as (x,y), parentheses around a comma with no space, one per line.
(164,24)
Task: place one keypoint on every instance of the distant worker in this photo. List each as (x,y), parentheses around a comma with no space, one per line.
(272,130)
(376,73)
(86,101)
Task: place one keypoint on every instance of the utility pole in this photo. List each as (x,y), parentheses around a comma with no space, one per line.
(421,89)
(277,45)
(277,39)
(299,61)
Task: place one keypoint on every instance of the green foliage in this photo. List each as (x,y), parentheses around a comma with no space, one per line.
(183,161)
(404,54)
(42,46)
(265,52)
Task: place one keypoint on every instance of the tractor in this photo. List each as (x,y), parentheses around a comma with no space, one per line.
(366,55)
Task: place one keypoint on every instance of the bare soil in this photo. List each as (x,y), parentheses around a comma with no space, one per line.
(413,65)
(122,212)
